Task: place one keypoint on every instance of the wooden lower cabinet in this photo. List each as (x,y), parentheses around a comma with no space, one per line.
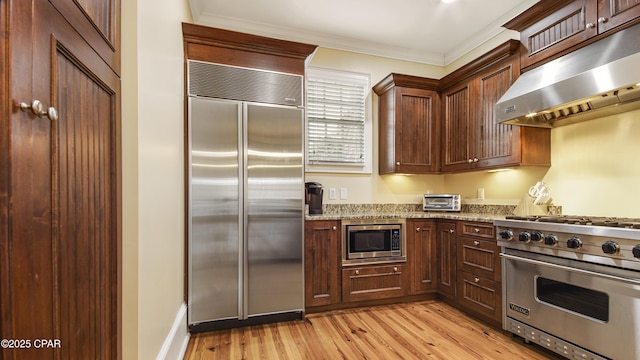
(480,257)
(374,282)
(322,262)
(446,258)
(482,297)
(457,260)
(479,287)
(421,255)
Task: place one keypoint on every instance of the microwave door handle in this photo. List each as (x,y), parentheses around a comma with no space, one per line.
(570,269)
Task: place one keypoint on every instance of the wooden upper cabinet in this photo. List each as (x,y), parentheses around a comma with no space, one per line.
(614,13)
(408,124)
(472,138)
(552,28)
(245,50)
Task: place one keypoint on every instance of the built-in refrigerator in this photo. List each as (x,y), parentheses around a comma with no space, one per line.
(245,197)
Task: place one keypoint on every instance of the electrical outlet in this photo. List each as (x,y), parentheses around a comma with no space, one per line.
(332,193)
(343,193)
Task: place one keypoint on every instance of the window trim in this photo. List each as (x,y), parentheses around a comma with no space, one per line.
(347,77)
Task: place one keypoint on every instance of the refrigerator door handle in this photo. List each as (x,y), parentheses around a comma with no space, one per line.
(243,296)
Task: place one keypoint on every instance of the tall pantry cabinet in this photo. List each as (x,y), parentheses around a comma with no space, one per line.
(60,179)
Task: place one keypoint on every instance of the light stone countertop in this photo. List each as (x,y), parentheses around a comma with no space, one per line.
(479,217)
(470,212)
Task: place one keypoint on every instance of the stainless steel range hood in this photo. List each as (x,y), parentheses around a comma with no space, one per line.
(598,80)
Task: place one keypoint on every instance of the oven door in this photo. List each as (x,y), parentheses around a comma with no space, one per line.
(593,306)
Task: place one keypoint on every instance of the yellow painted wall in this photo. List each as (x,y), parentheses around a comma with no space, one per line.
(153,186)
(594,169)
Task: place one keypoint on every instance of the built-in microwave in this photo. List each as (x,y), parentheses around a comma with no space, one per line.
(367,241)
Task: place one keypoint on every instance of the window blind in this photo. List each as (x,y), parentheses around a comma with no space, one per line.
(336,118)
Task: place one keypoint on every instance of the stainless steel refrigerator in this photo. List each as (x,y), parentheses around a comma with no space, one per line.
(245,217)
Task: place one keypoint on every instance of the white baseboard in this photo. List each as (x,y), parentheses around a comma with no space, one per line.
(175,345)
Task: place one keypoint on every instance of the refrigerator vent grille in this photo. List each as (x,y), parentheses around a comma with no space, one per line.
(242,84)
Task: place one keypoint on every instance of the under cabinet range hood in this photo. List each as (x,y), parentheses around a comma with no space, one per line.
(598,80)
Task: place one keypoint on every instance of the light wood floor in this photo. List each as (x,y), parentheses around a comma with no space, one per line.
(421,330)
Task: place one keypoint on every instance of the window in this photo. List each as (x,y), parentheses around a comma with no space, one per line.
(338,121)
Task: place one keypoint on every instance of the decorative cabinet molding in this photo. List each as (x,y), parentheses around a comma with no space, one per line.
(245,50)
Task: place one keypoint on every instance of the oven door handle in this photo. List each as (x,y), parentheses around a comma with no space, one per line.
(567,268)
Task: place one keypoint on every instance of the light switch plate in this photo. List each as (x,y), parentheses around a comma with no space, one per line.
(343,193)
(332,193)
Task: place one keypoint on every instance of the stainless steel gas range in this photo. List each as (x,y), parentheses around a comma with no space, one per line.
(572,284)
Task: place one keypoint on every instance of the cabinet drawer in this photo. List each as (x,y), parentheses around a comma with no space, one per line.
(480,296)
(376,282)
(482,230)
(479,257)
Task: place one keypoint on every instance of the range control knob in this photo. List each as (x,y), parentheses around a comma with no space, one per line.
(537,236)
(524,236)
(610,247)
(574,243)
(636,251)
(506,234)
(550,240)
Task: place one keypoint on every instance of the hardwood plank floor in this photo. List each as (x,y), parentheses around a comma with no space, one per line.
(420,330)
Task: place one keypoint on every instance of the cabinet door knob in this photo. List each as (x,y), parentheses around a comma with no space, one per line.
(602,20)
(334,228)
(395,269)
(417,229)
(398,163)
(38,110)
(476,279)
(476,243)
(357,272)
(475,160)
(476,230)
(590,25)
(470,161)
(451,231)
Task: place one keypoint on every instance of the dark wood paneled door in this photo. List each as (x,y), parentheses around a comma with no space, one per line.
(60,180)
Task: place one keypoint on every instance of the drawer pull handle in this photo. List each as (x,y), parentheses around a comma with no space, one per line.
(476,242)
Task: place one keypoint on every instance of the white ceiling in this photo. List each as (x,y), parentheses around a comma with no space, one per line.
(426,31)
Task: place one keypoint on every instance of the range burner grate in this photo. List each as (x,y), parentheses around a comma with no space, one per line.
(581,220)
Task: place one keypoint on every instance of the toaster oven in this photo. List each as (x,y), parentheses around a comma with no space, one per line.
(441,202)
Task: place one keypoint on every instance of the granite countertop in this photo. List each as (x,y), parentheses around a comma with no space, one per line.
(479,217)
(469,212)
